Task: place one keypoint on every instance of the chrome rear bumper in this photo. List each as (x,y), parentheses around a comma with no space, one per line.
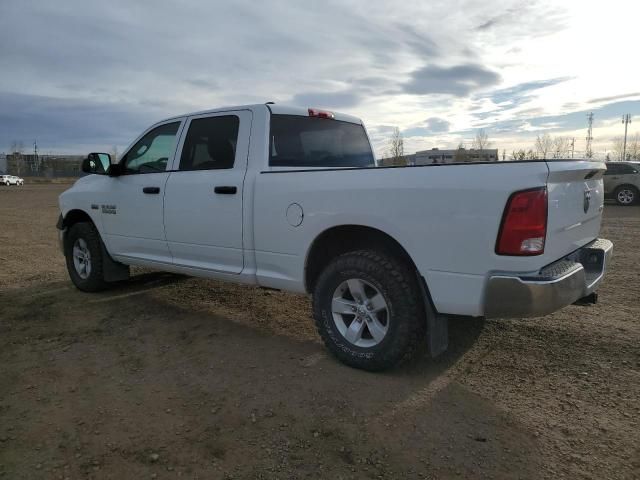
(555,286)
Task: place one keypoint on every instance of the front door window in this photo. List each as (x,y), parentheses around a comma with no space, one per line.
(152,152)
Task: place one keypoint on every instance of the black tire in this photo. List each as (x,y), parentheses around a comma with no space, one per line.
(87,232)
(397,283)
(630,198)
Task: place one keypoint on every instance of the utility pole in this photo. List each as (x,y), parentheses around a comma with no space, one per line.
(573,144)
(588,152)
(35,165)
(626,119)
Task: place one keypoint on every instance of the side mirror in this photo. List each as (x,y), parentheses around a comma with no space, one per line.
(97,163)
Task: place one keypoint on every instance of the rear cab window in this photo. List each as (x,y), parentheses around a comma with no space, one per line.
(312,142)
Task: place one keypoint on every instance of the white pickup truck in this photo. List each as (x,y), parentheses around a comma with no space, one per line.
(290,198)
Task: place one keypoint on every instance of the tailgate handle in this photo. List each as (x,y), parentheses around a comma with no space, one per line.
(152,190)
(225,190)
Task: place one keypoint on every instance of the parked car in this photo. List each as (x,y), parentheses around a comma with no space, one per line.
(8,180)
(290,198)
(622,182)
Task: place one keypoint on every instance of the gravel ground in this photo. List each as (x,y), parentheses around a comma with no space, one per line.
(166,377)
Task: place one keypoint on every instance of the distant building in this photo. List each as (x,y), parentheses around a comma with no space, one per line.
(43,165)
(435,155)
(459,155)
(3,163)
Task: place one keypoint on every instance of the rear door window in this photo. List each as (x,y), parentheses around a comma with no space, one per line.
(620,169)
(297,141)
(210,143)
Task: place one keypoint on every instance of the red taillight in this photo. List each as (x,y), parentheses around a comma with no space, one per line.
(320,113)
(524,224)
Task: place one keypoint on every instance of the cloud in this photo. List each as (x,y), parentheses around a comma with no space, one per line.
(488,24)
(89,72)
(204,83)
(460,80)
(422,43)
(517,93)
(85,124)
(328,100)
(437,125)
(615,97)
(505,101)
(431,126)
(541,18)
(533,121)
(382,129)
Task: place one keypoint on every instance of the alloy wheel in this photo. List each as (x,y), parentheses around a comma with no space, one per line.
(82,258)
(626,196)
(360,313)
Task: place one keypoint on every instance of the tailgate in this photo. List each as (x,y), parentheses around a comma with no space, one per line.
(576,197)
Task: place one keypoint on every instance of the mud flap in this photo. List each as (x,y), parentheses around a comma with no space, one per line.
(112,271)
(437,324)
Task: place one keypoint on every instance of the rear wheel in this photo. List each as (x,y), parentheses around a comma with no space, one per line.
(83,252)
(368,310)
(626,195)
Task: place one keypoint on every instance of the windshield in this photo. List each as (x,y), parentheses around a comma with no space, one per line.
(298,141)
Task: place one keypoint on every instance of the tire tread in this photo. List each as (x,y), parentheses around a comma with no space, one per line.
(409,308)
(88,231)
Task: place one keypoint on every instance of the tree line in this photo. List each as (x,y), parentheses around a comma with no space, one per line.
(632,152)
(545,147)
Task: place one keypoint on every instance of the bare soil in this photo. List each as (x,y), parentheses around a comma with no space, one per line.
(166,376)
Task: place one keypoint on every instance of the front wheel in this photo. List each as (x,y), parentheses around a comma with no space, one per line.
(368,310)
(626,195)
(83,252)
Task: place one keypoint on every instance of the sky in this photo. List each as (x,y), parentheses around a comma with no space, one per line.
(80,75)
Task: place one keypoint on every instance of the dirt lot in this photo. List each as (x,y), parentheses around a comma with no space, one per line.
(167,377)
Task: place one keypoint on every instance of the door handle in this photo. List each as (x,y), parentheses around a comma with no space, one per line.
(226,190)
(151,190)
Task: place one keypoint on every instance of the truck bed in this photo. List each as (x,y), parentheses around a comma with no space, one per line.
(446,216)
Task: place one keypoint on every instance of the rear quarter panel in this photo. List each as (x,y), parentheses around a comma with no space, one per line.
(445,216)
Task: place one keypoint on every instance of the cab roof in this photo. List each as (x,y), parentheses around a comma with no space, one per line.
(278,109)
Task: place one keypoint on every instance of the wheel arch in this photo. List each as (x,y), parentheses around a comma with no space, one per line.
(113,271)
(74,216)
(340,239)
(626,185)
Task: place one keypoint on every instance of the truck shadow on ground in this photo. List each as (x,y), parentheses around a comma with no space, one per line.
(195,386)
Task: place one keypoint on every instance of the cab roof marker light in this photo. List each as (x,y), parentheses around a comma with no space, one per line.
(320,113)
